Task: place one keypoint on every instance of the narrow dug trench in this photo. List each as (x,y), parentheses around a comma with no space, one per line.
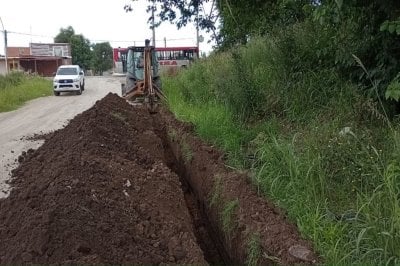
(118,185)
(241,226)
(208,240)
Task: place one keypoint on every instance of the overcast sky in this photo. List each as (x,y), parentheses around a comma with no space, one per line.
(98,20)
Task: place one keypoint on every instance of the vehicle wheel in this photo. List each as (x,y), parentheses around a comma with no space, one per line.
(79,92)
(56,93)
(83,86)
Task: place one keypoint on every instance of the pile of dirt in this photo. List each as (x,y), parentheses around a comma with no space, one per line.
(98,191)
(38,136)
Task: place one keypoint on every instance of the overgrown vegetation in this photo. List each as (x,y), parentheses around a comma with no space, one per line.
(315,143)
(17,88)
(119,116)
(215,197)
(254,250)
(187,152)
(173,135)
(228,216)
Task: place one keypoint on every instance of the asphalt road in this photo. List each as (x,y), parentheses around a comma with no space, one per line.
(44,115)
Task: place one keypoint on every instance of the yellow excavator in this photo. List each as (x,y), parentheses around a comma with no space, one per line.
(142,84)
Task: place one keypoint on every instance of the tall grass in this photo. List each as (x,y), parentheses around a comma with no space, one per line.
(309,140)
(17,88)
(213,121)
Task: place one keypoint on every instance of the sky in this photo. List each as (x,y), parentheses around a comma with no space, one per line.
(40,21)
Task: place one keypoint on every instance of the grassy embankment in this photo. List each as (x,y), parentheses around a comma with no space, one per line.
(314,144)
(17,88)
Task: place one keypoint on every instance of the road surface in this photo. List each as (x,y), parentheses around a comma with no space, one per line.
(44,115)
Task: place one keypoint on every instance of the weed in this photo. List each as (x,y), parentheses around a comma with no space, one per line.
(17,88)
(186,151)
(227,216)
(172,135)
(216,193)
(119,116)
(253,249)
(11,80)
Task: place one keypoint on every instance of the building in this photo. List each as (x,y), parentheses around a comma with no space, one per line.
(40,58)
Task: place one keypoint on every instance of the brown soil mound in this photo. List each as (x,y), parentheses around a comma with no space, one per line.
(98,191)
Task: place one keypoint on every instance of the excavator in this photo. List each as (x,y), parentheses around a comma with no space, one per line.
(142,84)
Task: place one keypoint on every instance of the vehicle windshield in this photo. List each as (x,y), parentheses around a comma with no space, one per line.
(135,64)
(67,71)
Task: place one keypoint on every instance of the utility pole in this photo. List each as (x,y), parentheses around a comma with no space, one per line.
(5,45)
(5,50)
(152,18)
(197,33)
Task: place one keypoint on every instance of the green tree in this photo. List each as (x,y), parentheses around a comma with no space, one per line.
(65,35)
(80,46)
(81,51)
(102,57)
(183,12)
(358,27)
(314,34)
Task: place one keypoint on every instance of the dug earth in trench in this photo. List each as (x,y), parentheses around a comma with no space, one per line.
(117,186)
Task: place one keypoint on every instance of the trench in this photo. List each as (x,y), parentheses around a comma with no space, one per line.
(206,236)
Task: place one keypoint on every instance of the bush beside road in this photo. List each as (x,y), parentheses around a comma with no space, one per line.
(17,88)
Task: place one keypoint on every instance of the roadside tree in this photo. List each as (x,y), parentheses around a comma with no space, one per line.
(80,46)
(102,57)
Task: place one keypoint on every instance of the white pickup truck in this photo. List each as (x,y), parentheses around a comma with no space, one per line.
(69,78)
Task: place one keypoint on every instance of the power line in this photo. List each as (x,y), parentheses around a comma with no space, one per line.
(92,40)
(29,34)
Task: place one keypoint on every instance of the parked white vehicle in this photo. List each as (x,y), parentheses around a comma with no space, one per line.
(69,78)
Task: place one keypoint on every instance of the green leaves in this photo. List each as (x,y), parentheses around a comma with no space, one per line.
(102,57)
(80,46)
(65,35)
(393,90)
(391,26)
(97,56)
(81,53)
(339,3)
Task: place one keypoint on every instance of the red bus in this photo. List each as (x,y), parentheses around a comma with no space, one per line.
(168,57)
(119,58)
